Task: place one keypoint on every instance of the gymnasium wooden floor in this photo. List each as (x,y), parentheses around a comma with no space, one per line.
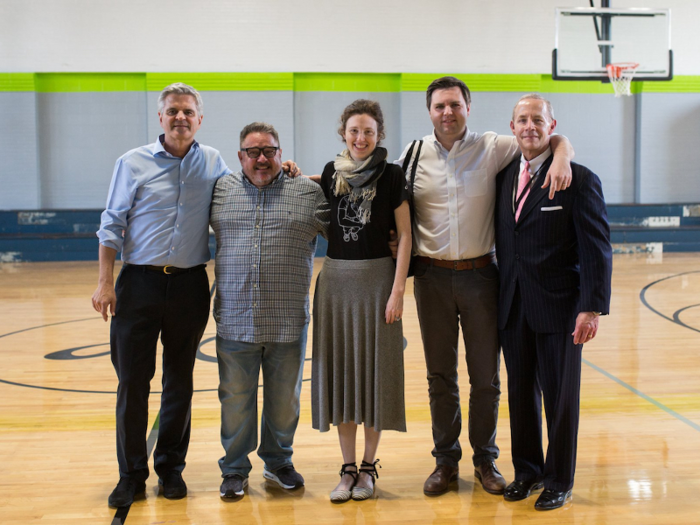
(639,452)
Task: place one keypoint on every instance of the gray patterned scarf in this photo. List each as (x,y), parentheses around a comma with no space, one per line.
(359,179)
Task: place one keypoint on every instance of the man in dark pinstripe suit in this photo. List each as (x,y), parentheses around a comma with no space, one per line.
(555,263)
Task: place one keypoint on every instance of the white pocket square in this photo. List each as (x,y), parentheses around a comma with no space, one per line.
(551,208)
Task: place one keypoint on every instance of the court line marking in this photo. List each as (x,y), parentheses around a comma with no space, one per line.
(57,389)
(676,316)
(641,394)
(45,325)
(675,320)
(113,392)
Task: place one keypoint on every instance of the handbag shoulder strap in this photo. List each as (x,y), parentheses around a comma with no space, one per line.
(407,158)
(414,164)
(414,167)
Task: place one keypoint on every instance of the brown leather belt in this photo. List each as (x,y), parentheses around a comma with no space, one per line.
(167,270)
(464,264)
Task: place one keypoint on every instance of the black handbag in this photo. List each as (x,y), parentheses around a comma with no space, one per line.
(412,178)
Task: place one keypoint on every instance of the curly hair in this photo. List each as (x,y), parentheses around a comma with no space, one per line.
(363,107)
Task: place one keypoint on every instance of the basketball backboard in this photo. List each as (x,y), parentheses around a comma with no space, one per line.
(589,38)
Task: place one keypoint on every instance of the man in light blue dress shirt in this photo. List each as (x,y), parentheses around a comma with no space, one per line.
(157,214)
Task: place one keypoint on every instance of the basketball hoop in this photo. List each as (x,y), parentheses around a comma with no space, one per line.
(620,76)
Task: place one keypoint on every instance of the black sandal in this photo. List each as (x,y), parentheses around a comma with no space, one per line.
(360,493)
(339,496)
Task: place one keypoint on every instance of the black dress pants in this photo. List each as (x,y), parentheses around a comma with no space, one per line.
(542,367)
(150,304)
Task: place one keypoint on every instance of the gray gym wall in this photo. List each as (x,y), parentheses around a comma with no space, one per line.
(60,148)
(19,169)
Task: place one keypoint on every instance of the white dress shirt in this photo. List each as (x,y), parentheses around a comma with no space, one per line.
(455,194)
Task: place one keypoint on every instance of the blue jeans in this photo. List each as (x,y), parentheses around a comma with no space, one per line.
(239,370)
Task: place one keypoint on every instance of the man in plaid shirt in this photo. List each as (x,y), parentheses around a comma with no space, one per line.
(266,225)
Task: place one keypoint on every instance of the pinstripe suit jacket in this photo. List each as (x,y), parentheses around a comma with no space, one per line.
(558,253)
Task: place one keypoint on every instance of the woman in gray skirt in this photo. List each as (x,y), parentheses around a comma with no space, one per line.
(357,375)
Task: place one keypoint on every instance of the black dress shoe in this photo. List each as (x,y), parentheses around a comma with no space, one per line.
(519,490)
(173,485)
(126,491)
(551,499)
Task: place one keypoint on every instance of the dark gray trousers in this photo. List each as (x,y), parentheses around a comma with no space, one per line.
(447,299)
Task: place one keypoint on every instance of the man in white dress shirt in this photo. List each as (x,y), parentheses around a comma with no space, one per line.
(456,276)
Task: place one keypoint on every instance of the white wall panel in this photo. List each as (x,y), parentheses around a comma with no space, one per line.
(498,36)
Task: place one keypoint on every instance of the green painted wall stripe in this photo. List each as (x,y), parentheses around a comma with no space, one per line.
(291,82)
(476,82)
(682,84)
(224,81)
(418,81)
(372,82)
(16,81)
(83,82)
(545,84)
(514,83)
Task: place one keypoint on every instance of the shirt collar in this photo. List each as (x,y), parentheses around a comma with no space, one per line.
(466,139)
(159,150)
(277,180)
(536,163)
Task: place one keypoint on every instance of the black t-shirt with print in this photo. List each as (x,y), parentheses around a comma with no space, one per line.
(348,238)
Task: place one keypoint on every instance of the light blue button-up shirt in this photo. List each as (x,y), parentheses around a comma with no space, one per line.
(158,205)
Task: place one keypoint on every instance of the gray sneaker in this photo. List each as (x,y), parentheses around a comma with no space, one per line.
(286,477)
(233,486)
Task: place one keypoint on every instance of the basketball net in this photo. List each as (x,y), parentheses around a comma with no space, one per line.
(620,76)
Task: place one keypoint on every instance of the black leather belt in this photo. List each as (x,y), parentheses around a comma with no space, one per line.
(167,270)
(464,264)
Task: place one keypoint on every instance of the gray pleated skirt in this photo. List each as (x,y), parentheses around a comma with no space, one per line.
(357,373)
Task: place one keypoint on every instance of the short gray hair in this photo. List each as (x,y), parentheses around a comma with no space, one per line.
(178,88)
(259,127)
(536,96)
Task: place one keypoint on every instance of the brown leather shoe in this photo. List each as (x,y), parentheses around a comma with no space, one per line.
(438,482)
(490,478)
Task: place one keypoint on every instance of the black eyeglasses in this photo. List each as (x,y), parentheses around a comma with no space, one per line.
(254,153)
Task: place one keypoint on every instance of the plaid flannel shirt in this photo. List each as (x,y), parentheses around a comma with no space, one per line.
(265,245)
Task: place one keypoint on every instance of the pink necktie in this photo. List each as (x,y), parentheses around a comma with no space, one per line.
(523,184)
